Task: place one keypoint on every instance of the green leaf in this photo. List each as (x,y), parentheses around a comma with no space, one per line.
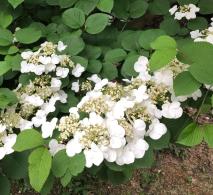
(130,40)
(28,35)
(74,18)
(92,52)
(208,134)
(15,3)
(7,98)
(14,61)
(148,36)
(191,135)
(8,50)
(212,100)
(115,55)
(60,163)
(198,23)
(138,8)
(4,185)
(127,69)
(94,66)
(161,58)
(40,161)
(199,55)
(5,18)
(4,67)
(206,6)
(65,180)
(46,189)
(66,3)
(77,164)
(109,71)
(15,165)
(105,5)
(96,23)
(75,44)
(28,139)
(185,84)
(164,42)
(6,37)
(86,5)
(159,7)
(185,2)
(170,26)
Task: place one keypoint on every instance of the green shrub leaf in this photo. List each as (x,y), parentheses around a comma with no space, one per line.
(105,5)
(191,135)
(28,35)
(185,84)
(40,161)
(28,139)
(96,23)
(6,37)
(74,18)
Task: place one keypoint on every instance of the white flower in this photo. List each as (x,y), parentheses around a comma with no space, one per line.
(173,9)
(48,127)
(139,127)
(8,143)
(195,34)
(187,11)
(140,94)
(39,118)
(61,47)
(197,94)
(25,124)
(26,55)
(55,84)
(2,128)
(45,60)
(62,96)
(99,85)
(74,146)
(62,72)
(74,110)
(156,130)
(141,64)
(78,70)
(93,156)
(38,69)
(164,76)
(55,147)
(138,147)
(75,86)
(94,78)
(34,100)
(109,154)
(172,110)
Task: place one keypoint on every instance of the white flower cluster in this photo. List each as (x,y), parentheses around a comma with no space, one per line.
(203,35)
(184,11)
(46,60)
(38,98)
(118,118)
(7,141)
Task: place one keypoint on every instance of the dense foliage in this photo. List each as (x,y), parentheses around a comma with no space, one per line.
(98,86)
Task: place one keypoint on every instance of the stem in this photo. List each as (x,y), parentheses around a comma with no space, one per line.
(124,26)
(199,110)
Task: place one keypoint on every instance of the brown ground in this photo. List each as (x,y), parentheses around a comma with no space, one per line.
(177,172)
